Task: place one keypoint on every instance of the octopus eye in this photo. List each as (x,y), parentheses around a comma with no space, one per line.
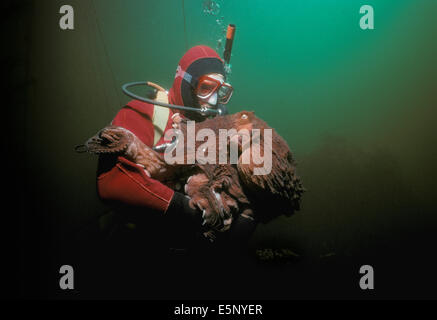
(244,116)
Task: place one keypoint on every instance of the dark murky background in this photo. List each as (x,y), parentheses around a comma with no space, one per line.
(358,109)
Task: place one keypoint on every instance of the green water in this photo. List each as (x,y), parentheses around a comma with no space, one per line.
(356,107)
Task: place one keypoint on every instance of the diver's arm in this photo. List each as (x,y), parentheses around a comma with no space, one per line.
(123,181)
(128,183)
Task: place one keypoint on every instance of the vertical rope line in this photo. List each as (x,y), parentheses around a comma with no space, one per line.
(185,25)
(114,82)
(96,70)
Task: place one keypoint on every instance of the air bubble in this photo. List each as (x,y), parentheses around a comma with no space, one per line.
(211,7)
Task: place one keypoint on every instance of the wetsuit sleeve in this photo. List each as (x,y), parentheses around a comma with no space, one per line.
(121,180)
(127,182)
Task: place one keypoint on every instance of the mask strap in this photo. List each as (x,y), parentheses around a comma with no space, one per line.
(184,75)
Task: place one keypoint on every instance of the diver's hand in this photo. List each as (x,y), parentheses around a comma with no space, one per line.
(179,211)
(213,212)
(242,229)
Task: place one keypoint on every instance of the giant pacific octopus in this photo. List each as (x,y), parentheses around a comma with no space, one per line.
(220,191)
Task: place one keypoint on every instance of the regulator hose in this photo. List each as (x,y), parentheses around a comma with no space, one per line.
(203,111)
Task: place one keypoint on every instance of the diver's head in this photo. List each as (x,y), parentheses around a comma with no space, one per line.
(200,81)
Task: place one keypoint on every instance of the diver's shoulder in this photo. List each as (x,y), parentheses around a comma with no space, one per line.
(140,106)
(134,112)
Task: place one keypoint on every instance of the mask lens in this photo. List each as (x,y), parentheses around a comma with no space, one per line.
(206,87)
(224,93)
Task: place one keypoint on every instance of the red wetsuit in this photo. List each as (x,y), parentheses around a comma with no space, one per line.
(127,182)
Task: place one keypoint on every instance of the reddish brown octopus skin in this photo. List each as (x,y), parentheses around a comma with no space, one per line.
(273,194)
(224,190)
(120,141)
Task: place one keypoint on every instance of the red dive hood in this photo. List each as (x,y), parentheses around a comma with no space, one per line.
(197,61)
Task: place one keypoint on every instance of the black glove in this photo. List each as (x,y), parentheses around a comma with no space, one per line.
(232,245)
(179,212)
(242,229)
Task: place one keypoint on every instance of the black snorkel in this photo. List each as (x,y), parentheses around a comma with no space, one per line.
(230,35)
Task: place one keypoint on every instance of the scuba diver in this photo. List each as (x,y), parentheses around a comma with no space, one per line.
(199,83)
